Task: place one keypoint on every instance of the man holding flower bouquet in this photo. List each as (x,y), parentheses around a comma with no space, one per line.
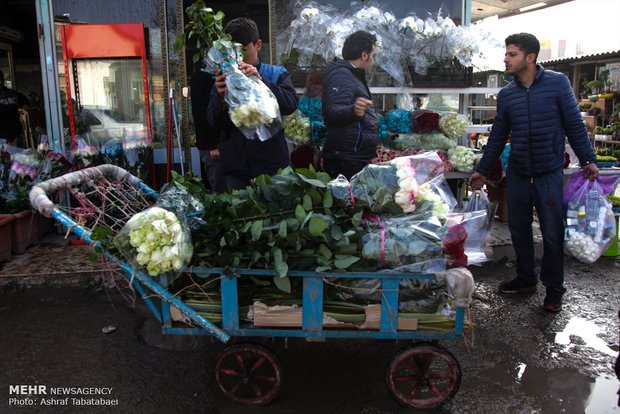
(242,159)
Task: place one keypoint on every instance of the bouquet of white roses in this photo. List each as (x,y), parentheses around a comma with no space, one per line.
(252,106)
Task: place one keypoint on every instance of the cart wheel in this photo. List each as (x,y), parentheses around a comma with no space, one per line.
(423,376)
(248,374)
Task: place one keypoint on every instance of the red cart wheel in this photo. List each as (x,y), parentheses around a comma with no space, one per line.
(248,374)
(423,376)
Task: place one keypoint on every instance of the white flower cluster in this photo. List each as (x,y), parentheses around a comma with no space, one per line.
(297,127)
(251,115)
(582,247)
(408,186)
(137,144)
(159,240)
(452,124)
(462,158)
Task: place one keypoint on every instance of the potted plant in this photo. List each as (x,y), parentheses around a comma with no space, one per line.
(584,86)
(594,111)
(602,134)
(595,86)
(584,108)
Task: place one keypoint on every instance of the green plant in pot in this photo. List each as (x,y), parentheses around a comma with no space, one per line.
(595,86)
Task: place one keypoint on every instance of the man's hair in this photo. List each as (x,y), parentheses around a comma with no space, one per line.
(242,30)
(358,42)
(526,42)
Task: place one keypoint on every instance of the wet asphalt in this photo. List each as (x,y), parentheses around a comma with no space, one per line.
(517,359)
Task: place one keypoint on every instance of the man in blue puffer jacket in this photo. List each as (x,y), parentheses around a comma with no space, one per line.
(351,120)
(241,158)
(537,111)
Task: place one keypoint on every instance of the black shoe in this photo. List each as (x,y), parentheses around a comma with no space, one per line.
(518,285)
(553,300)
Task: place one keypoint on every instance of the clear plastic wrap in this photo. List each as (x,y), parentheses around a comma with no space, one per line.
(297,127)
(453,125)
(112,153)
(87,153)
(465,242)
(405,244)
(158,239)
(462,158)
(590,223)
(24,169)
(479,201)
(54,165)
(139,155)
(403,185)
(423,142)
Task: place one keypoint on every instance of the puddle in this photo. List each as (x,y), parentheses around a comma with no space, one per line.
(566,390)
(588,332)
(605,389)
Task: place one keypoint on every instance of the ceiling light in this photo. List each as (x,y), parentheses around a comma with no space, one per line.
(532,7)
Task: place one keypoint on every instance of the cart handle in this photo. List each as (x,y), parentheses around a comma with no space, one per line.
(39,192)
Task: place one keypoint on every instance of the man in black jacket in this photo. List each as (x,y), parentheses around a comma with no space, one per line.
(351,120)
(241,158)
(207,138)
(11,102)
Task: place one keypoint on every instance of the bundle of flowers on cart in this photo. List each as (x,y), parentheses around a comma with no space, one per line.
(252,106)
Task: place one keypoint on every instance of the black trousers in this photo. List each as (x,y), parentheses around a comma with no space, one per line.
(348,168)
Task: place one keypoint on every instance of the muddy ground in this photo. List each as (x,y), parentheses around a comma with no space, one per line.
(523,359)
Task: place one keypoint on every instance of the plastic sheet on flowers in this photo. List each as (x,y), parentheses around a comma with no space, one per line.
(297,127)
(423,142)
(590,223)
(87,153)
(405,243)
(24,169)
(415,295)
(399,121)
(112,153)
(139,157)
(158,239)
(54,165)
(453,125)
(404,185)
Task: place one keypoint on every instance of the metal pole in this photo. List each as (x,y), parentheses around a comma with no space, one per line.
(49,75)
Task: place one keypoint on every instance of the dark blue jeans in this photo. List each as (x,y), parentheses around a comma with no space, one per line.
(545,193)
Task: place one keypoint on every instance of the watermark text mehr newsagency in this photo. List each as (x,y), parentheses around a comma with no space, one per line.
(29,395)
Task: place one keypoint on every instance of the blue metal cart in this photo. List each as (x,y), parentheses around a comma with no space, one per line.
(423,375)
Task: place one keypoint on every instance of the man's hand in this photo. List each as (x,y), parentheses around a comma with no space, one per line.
(360,107)
(220,83)
(590,171)
(249,70)
(477,180)
(214,154)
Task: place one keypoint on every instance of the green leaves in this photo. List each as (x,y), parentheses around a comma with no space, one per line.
(303,231)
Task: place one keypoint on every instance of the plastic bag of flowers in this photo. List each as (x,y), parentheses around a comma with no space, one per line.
(139,156)
(23,171)
(404,185)
(405,243)
(462,158)
(252,106)
(158,239)
(452,124)
(590,223)
(87,153)
(5,168)
(422,142)
(112,153)
(399,121)
(465,242)
(297,127)
(54,165)
(479,201)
